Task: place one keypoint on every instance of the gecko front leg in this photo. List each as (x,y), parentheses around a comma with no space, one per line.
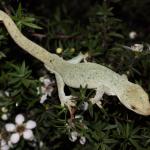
(65,100)
(98,97)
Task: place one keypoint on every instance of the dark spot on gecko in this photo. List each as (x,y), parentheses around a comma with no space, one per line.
(133,107)
(51,60)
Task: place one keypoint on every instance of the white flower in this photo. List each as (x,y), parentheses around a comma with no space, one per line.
(5,113)
(46,88)
(4,93)
(20,129)
(15,137)
(10,127)
(7,93)
(73,136)
(82,140)
(78,117)
(19,119)
(43,98)
(17,104)
(84,106)
(4,109)
(41,144)
(28,135)
(30,124)
(4,116)
(3,144)
(132,35)
(137,47)
(5,147)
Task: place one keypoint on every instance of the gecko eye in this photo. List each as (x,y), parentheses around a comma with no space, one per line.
(133,107)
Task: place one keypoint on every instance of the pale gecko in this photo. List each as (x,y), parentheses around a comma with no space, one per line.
(75,74)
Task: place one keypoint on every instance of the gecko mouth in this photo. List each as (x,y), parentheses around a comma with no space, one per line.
(144,113)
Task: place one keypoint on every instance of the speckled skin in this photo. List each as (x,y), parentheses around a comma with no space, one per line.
(92,75)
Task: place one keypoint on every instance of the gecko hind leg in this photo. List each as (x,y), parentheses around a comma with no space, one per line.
(98,97)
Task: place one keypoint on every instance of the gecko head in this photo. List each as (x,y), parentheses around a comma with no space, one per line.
(136,99)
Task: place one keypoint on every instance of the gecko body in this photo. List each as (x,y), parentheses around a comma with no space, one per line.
(90,75)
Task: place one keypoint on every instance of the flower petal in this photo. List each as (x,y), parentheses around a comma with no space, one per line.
(30,124)
(10,127)
(73,136)
(4,109)
(41,144)
(19,119)
(43,98)
(4,117)
(3,142)
(41,79)
(28,135)
(84,106)
(49,91)
(14,138)
(47,82)
(5,147)
(82,140)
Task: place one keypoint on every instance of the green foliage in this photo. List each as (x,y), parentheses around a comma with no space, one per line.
(102,29)
(23,20)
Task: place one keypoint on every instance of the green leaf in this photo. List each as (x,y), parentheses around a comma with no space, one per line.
(2,55)
(32,25)
(114,34)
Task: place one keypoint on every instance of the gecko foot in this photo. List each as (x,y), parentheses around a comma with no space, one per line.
(68,101)
(97,102)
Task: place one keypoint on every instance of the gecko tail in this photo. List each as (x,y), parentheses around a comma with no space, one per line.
(26,44)
(2,15)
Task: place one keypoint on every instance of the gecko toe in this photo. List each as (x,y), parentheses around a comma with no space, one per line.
(68,101)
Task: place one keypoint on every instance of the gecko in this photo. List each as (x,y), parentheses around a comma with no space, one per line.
(75,74)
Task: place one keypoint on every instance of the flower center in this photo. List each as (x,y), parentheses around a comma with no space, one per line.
(20,128)
(3,135)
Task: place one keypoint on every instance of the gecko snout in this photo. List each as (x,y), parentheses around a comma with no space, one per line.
(146,112)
